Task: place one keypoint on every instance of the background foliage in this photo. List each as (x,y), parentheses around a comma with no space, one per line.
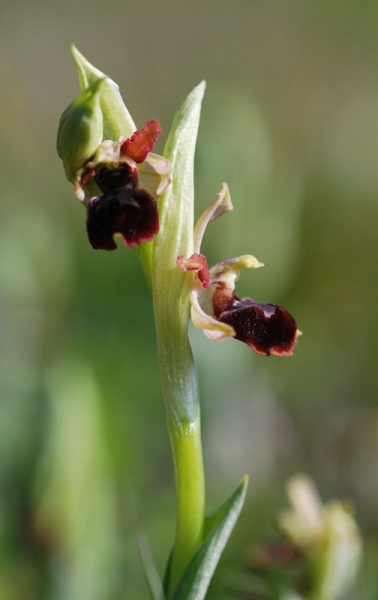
(290,122)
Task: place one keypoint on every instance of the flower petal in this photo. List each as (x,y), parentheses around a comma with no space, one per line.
(155,174)
(198,263)
(212,328)
(107,152)
(228,271)
(266,328)
(132,214)
(142,141)
(219,207)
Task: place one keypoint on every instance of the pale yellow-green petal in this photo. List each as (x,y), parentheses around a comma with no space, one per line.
(155,174)
(220,206)
(228,271)
(213,329)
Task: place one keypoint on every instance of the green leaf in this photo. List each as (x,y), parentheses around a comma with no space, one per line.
(196,579)
(153,580)
(117,119)
(176,206)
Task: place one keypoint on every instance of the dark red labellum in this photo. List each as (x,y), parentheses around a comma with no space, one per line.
(132,214)
(267,328)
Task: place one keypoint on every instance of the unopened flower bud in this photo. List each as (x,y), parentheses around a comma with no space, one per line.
(80,130)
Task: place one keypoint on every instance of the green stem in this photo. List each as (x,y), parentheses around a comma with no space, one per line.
(144,253)
(190,486)
(180,390)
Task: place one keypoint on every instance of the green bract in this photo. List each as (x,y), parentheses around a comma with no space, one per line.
(80,130)
(117,119)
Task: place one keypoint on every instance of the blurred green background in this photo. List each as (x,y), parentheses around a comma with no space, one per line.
(290,122)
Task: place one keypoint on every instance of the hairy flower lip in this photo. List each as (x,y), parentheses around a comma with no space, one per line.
(266,328)
(131,214)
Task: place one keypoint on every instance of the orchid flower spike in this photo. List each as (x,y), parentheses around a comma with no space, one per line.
(266,328)
(117,181)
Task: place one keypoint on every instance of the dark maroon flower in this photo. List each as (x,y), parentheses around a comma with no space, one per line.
(266,328)
(119,187)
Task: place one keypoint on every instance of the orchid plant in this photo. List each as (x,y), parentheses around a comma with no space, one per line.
(148,202)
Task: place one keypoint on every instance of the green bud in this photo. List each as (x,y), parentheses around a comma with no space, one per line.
(80,130)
